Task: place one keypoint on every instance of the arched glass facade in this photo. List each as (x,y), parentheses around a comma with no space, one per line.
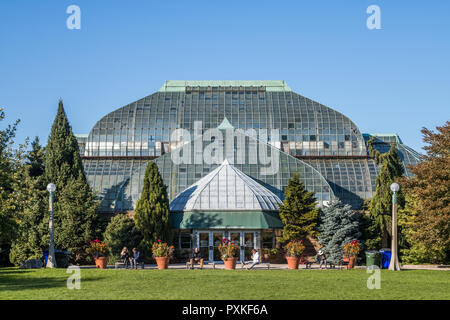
(323,145)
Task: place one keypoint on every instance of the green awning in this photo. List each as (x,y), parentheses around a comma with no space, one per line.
(225,220)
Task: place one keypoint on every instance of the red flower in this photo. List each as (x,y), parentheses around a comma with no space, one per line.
(159,240)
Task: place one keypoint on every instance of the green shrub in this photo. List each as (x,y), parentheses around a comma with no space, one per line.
(121,232)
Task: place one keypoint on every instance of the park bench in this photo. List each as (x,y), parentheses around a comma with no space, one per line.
(191,263)
(261,264)
(308,263)
(264,264)
(120,263)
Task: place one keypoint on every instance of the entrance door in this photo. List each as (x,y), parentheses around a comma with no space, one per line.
(246,241)
(203,244)
(208,243)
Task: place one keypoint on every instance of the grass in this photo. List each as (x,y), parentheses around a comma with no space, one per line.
(223,284)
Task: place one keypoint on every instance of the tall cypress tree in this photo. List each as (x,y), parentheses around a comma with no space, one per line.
(298,211)
(75,203)
(152,208)
(339,225)
(381,204)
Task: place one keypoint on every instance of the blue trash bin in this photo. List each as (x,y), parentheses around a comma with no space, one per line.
(45,257)
(385,258)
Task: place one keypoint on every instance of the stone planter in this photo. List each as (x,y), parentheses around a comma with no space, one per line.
(230,263)
(101,262)
(162,262)
(293,262)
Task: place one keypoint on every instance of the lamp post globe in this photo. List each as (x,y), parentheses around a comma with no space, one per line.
(51,187)
(395,187)
(51,260)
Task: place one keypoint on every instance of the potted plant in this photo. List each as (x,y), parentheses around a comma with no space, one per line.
(228,252)
(269,252)
(99,250)
(294,250)
(162,252)
(352,250)
(266,253)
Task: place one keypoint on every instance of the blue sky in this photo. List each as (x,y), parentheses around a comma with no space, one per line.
(391,80)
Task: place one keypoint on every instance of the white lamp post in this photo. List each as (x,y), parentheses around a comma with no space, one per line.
(51,260)
(393,264)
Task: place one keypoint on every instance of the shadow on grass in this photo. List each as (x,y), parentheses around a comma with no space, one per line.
(16,281)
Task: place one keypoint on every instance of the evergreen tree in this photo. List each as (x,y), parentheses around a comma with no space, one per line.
(152,208)
(35,159)
(75,204)
(30,193)
(338,226)
(298,211)
(10,163)
(381,204)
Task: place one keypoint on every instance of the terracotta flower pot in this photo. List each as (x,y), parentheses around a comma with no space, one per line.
(230,263)
(101,262)
(351,262)
(162,262)
(293,262)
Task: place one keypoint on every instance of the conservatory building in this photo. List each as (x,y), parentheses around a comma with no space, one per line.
(226,150)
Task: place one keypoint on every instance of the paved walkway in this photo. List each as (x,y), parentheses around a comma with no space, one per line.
(275,266)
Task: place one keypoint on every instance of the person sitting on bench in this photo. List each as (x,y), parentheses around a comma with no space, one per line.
(196,258)
(255,259)
(125,256)
(322,259)
(135,259)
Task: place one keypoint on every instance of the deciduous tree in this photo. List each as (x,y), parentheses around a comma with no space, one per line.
(428,215)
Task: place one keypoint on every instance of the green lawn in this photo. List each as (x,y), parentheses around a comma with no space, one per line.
(223,284)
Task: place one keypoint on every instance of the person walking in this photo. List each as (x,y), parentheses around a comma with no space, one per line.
(322,259)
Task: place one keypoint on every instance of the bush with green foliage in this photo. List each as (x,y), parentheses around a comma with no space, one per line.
(121,232)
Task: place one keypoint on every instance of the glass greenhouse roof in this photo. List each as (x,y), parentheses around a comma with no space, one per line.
(226,188)
(181,85)
(324,146)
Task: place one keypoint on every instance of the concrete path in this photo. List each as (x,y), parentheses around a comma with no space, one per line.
(182,266)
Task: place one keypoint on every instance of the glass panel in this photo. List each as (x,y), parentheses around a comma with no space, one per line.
(235,237)
(217,236)
(204,244)
(248,245)
(267,239)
